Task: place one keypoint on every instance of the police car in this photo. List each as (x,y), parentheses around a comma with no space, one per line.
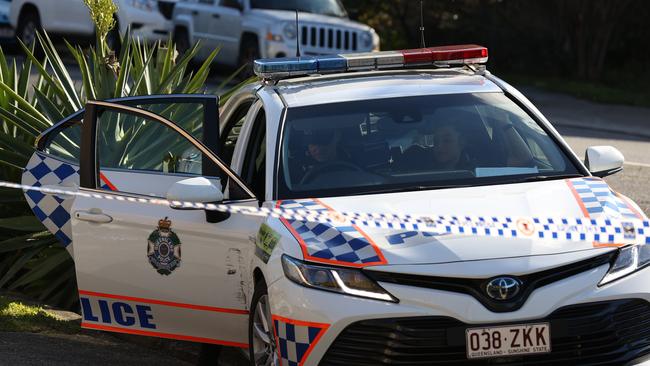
(417,132)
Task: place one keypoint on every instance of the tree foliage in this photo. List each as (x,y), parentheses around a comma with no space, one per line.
(31,259)
(102,12)
(581,39)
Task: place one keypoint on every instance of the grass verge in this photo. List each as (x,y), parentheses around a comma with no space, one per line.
(18,316)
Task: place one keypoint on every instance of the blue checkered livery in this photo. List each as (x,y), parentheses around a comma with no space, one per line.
(322,241)
(599,200)
(294,341)
(51,210)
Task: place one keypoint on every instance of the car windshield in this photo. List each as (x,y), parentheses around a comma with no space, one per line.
(414,143)
(325,7)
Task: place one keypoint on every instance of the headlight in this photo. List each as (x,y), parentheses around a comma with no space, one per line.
(629,259)
(289,30)
(148,5)
(343,280)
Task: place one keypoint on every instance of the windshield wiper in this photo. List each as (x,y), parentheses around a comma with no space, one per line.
(414,189)
(539,178)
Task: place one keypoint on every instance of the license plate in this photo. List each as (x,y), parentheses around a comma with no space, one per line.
(510,340)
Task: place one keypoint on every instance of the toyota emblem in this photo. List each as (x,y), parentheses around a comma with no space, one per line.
(503,288)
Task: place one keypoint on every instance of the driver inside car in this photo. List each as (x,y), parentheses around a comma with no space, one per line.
(449,148)
(322,146)
(323,151)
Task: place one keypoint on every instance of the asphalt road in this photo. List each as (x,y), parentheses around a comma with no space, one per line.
(27,349)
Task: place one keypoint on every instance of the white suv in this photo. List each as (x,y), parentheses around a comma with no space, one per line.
(250,29)
(148,19)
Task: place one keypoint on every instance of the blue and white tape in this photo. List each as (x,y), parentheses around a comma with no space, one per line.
(599,230)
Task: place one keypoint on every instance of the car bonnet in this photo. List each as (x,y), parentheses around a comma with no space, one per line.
(360,246)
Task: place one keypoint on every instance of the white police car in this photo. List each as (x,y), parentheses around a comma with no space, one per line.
(419,132)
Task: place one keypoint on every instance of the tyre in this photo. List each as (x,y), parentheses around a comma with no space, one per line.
(261,338)
(28,24)
(249,51)
(182,40)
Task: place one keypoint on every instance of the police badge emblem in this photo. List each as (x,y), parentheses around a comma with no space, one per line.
(164,248)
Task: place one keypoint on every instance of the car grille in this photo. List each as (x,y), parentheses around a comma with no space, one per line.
(601,333)
(166,9)
(476,287)
(326,39)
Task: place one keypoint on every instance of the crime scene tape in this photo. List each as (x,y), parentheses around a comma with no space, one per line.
(599,230)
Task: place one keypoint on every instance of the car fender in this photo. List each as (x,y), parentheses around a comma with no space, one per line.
(274,232)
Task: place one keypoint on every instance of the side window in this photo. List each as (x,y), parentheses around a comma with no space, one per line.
(65,143)
(133,143)
(143,156)
(188,116)
(236,4)
(231,132)
(254,168)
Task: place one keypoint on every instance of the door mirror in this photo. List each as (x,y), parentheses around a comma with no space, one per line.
(604,160)
(197,189)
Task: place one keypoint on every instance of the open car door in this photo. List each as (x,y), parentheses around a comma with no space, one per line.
(158,270)
(55,163)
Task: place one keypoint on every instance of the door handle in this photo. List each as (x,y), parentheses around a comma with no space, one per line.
(216,16)
(195,12)
(93,216)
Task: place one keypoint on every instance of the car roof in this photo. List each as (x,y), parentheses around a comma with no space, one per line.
(344,87)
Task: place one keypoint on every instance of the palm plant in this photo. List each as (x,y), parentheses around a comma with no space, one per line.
(39,93)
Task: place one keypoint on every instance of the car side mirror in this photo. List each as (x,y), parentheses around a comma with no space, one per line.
(201,190)
(197,189)
(603,160)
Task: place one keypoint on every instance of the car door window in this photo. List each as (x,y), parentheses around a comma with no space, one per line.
(235,4)
(64,139)
(131,142)
(134,151)
(254,168)
(232,130)
(65,143)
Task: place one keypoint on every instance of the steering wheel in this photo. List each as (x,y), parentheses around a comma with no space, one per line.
(328,167)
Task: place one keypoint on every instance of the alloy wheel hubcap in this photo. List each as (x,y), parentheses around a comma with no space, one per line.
(264,351)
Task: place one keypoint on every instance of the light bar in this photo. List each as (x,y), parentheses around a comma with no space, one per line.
(279,68)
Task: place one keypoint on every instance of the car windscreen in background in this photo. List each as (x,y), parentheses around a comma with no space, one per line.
(324,7)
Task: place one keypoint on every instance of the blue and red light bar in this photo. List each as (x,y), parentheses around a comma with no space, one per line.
(278,68)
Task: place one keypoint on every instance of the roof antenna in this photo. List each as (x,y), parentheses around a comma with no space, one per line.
(422,43)
(297,36)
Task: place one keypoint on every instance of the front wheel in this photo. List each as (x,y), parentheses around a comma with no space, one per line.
(261,338)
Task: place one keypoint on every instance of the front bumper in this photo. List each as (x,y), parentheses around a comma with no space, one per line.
(325,316)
